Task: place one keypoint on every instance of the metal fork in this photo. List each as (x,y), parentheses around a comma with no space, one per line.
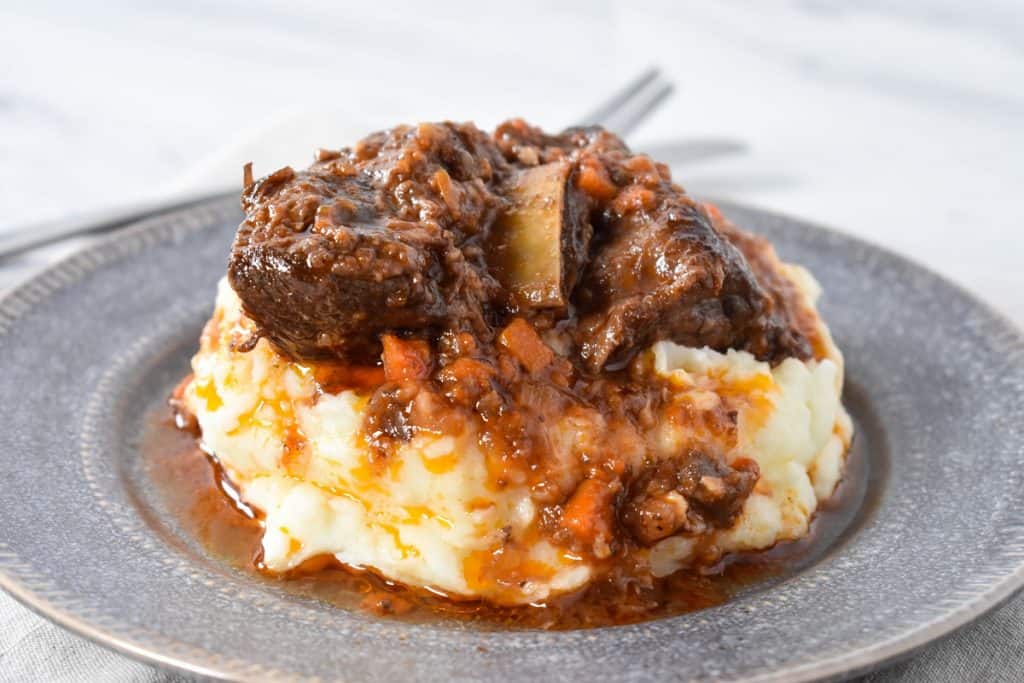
(622,112)
(627,108)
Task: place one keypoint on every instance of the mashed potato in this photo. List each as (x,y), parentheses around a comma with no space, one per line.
(430,516)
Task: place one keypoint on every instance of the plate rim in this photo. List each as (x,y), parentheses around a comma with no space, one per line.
(163,223)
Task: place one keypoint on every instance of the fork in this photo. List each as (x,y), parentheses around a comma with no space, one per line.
(622,112)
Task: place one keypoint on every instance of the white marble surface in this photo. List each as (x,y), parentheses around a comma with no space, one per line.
(901,122)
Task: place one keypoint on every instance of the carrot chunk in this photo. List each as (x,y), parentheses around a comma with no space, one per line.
(405,360)
(594,180)
(334,378)
(713,212)
(465,380)
(523,342)
(634,198)
(588,513)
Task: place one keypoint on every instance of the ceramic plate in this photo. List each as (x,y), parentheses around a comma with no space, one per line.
(934,538)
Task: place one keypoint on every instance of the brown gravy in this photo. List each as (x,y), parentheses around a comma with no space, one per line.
(193,491)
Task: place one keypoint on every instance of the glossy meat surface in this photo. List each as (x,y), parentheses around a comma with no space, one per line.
(436,228)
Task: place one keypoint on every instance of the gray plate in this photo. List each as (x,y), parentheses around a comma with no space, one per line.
(935,383)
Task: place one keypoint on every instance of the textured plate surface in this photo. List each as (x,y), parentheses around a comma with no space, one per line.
(935,383)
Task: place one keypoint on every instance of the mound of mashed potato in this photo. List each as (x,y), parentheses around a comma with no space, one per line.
(431,515)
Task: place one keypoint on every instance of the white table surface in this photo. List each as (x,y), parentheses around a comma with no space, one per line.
(900,122)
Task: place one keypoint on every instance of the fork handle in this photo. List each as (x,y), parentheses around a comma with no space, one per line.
(31,236)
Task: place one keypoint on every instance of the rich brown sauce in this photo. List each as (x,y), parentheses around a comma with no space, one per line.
(194,493)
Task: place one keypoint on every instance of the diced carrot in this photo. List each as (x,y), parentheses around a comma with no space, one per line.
(334,378)
(713,212)
(465,380)
(523,342)
(405,360)
(640,163)
(588,513)
(449,193)
(468,370)
(464,343)
(594,180)
(633,198)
